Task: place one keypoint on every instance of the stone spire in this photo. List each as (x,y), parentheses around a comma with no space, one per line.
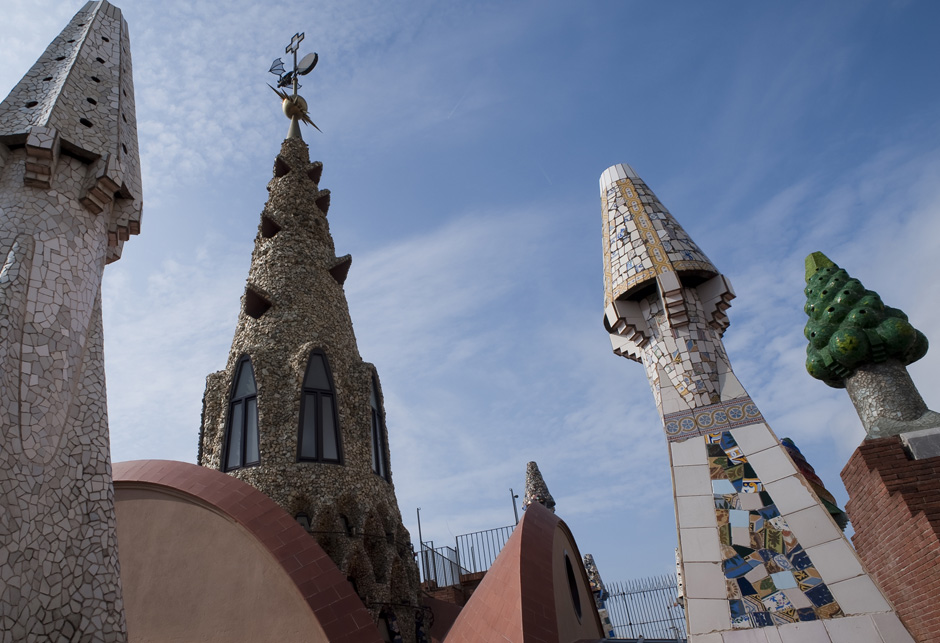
(296,412)
(858,343)
(757,547)
(535,488)
(78,100)
(69,197)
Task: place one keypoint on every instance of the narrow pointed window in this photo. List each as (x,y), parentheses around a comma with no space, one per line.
(319,428)
(241,439)
(379,439)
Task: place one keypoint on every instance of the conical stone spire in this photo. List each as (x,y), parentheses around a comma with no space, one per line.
(535,488)
(79,99)
(69,197)
(757,547)
(297,413)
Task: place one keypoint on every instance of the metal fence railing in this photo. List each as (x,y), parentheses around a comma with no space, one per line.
(440,565)
(476,551)
(646,607)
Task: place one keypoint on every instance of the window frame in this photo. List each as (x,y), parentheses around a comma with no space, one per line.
(378,443)
(318,396)
(243,402)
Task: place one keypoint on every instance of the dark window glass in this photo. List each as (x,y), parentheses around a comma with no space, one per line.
(329,428)
(241,440)
(319,429)
(573,587)
(316,377)
(379,459)
(308,431)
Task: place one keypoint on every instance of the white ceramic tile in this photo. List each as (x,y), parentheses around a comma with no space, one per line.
(858,595)
(891,629)
(771,464)
(790,495)
(708,615)
(750,501)
(692,480)
(688,452)
(798,598)
(714,637)
(746,636)
(852,629)
(696,511)
(729,387)
(704,580)
(772,634)
(803,632)
(753,438)
(835,561)
(700,545)
(812,526)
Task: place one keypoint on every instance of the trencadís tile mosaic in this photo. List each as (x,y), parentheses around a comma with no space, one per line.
(770,578)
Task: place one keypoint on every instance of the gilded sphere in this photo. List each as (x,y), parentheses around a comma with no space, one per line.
(294,106)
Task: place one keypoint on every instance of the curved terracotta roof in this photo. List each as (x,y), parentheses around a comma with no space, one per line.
(323,586)
(515,602)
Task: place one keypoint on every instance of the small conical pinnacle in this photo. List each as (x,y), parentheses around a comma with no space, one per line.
(535,488)
(816,261)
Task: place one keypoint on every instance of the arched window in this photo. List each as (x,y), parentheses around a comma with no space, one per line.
(241,438)
(379,460)
(319,427)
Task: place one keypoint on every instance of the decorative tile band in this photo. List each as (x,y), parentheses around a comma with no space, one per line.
(714,417)
(770,579)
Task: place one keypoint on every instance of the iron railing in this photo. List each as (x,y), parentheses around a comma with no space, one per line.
(439,565)
(646,607)
(476,551)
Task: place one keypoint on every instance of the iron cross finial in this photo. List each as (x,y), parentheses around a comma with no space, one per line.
(294,44)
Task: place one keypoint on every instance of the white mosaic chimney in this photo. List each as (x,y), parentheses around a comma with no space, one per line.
(758,550)
(69,196)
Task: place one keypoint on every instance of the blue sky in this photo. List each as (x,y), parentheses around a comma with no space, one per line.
(462,143)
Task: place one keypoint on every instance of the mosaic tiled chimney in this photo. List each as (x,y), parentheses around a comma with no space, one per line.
(70,196)
(297,413)
(535,488)
(858,343)
(600,594)
(758,549)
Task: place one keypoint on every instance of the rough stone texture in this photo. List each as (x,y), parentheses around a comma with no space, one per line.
(895,509)
(295,268)
(69,195)
(535,488)
(887,401)
(78,100)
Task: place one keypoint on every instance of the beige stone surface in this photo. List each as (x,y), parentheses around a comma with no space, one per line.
(195,575)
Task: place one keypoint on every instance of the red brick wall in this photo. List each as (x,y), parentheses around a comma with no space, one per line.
(894,506)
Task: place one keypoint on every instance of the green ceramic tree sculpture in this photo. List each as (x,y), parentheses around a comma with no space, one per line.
(849,326)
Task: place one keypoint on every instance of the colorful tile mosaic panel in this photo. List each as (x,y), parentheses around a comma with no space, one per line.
(714,417)
(770,578)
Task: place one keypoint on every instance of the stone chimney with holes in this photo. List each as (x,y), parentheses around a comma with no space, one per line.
(70,195)
(297,413)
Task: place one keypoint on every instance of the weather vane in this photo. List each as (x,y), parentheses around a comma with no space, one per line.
(294,106)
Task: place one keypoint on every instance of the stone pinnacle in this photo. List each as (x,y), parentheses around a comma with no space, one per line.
(535,488)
